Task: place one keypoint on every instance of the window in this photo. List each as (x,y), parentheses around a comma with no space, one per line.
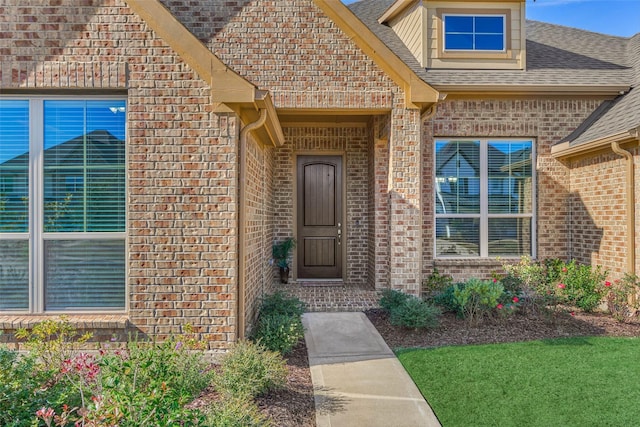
(62,204)
(484,196)
(474,32)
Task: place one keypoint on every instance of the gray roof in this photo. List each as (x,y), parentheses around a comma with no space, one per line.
(556,56)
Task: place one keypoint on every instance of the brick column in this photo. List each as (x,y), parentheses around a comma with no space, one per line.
(405,201)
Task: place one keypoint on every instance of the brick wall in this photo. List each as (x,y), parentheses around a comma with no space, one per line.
(290,48)
(599,211)
(182,194)
(547,121)
(258,279)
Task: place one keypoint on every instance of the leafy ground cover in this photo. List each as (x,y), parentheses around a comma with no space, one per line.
(583,381)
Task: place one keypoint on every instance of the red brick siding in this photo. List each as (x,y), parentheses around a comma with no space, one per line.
(599,211)
(258,228)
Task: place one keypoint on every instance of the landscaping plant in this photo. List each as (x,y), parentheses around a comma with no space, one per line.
(392,299)
(477,298)
(415,313)
(622,297)
(249,370)
(279,325)
(409,311)
(142,383)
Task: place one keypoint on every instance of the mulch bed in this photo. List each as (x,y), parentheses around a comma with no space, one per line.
(292,406)
(519,327)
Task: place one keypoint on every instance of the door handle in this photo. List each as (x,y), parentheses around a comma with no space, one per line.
(339,234)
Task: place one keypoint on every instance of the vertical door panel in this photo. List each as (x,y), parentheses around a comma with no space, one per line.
(319,217)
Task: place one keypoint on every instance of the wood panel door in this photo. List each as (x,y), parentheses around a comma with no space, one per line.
(319,214)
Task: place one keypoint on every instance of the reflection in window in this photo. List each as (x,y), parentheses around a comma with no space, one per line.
(484,197)
(56,259)
(469,32)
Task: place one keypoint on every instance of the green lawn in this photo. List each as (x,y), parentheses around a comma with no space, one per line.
(561,382)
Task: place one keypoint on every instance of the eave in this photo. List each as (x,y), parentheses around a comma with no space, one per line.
(394,10)
(565,150)
(227,86)
(543,90)
(419,94)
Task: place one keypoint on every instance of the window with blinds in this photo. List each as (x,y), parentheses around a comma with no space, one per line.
(484,196)
(67,243)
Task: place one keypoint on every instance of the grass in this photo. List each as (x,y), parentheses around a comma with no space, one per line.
(560,382)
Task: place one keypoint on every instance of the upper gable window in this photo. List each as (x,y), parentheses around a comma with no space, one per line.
(474,32)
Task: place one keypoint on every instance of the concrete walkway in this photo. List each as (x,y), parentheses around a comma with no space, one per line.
(357,379)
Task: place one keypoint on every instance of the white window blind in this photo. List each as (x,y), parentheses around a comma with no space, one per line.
(65,246)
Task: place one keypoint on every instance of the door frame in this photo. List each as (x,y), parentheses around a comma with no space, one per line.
(345,226)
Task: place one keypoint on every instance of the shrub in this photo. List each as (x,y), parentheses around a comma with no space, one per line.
(233,412)
(22,388)
(143,383)
(577,285)
(152,382)
(436,283)
(446,299)
(392,298)
(249,370)
(279,303)
(279,327)
(622,297)
(53,341)
(477,298)
(415,313)
(278,332)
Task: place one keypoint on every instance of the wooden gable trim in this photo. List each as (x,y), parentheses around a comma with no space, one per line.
(419,94)
(394,10)
(227,86)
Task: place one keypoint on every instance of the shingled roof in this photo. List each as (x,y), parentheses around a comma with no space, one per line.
(557,56)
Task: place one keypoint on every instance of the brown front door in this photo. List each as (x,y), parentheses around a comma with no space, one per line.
(319,210)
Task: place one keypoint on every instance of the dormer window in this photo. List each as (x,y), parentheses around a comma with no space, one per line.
(486,33)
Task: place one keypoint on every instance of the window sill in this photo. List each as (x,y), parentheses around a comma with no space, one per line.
(79,321)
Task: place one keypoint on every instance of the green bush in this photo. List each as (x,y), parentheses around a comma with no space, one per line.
(436,283)
(22,388)
(477,298)
(233,412)
(447,301)
(279,303)
(143,383)
(278,332)
(392,298)
(415,313)
(584,285)
(279,326)
(622,297)
(249,370)
(152,382)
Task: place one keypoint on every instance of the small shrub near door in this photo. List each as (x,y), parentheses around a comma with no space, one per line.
(279,326)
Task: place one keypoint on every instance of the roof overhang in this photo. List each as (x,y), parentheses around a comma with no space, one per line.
(401,5)
(419,94)
(566,150)
(542,90)
(227,86)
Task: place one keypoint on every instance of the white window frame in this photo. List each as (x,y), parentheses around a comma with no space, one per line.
(484,214)
(474,15)
(35,234)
